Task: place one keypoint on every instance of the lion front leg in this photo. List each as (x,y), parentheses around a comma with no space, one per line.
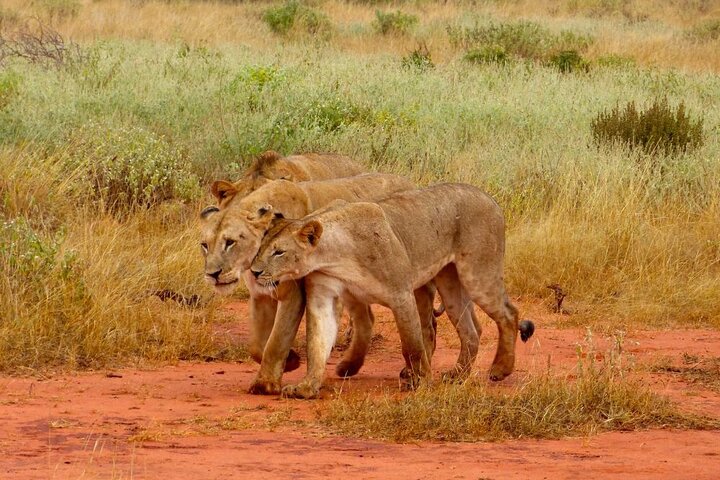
(417,365)
(275,357)
(322,327)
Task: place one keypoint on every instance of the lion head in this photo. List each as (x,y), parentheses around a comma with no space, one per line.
(230,238)
(285,250)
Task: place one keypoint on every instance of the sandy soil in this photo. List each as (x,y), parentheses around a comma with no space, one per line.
(192,421)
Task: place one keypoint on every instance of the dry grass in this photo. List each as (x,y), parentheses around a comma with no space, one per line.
(600,398)
(650,31)
(78,285)
(693,369)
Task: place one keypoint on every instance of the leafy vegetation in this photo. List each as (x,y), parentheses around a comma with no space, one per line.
(659,128)
(394,22)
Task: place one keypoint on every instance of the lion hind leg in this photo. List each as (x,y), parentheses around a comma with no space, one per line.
(362,320)
(486,288)
(460,310)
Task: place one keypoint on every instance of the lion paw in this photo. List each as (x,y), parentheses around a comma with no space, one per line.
(456,374)
(293,361)
(264,387)
(347,368)
(408,380)
(301,390)
(499,372)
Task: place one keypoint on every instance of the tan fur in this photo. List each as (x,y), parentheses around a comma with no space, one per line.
(244,221)
(381,252)
(295,168)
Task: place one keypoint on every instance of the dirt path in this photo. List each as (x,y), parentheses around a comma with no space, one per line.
(196,421)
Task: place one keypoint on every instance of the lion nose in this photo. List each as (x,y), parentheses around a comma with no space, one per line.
(256,273)
(215,274)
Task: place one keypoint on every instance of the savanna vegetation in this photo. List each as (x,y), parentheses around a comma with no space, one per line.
(115,116)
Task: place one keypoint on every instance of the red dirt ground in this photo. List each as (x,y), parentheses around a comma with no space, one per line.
(192,421)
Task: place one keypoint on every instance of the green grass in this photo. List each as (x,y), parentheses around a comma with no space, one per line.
(628,241)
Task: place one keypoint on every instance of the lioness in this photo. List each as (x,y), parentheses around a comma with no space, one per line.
(380,252)
(271,165)
(231,237)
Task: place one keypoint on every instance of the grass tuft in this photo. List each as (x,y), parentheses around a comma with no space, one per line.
(600,399)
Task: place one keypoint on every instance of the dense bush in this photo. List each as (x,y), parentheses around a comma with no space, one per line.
(419,59)
(130,167)
(569,61)
(523,39)
(706,31)
(487,54)
(9,84)
(293,15)
(659,128)
(30,260)
(394,22)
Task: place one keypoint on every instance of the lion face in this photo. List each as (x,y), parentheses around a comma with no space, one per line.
(285,255)
(229,241)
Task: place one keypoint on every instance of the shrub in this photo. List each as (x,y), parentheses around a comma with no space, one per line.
(131,167)
(487,54)
(705,31)
(394,22)
(660,128)
(9,85)
(419,59)
(615,61)
(569,61)
(30,261)
(523,39)
(294,15)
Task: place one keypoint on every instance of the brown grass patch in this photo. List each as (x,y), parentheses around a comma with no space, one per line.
(598,399)
(694,369)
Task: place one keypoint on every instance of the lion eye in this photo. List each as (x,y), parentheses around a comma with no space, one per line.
(229,243)
(204,246)
(278,253)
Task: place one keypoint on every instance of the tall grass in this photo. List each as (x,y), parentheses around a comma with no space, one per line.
(629,241)
(78,286)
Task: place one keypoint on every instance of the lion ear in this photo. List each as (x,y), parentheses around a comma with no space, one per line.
(262,212)
(207,211)
(223,190)
(310,233)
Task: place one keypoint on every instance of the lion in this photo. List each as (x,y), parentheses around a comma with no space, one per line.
(231,237)
(271,165)
(452,234)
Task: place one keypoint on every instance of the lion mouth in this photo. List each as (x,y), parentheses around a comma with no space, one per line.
(223,284)
(267,282)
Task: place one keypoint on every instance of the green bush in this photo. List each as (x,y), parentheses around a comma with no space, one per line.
(615,61)
(293,15)
(660,128)
(130,167)
(706,31)
(394,22)
(9,85)
(419,60)
(486,54)
(569,61)
(523,39)
(32,262)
